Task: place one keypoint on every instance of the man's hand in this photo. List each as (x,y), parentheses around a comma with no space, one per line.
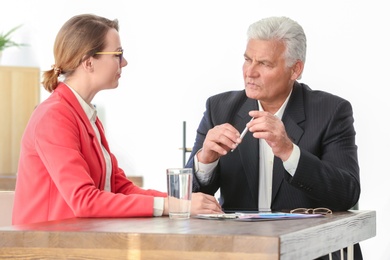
(219,141)
(270,128)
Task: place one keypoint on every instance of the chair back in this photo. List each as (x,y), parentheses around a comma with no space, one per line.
(6,206)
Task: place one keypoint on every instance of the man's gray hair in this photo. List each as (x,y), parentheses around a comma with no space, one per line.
(284,29)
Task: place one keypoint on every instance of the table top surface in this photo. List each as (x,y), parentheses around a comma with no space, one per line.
(280,238)
(163,225)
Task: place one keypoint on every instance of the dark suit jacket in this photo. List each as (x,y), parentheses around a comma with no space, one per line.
(321,124)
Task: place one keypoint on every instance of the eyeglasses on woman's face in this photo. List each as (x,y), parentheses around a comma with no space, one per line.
(119,54)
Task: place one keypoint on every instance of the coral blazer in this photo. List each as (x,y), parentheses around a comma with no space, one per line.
(61,172)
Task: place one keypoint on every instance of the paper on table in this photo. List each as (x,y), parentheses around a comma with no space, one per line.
(274,216)
(217,216)
(257,216)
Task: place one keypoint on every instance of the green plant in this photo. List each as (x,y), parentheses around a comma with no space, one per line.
(5,39)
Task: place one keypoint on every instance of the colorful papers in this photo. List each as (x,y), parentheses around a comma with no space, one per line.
(257,216)
(217,216)
(274,216)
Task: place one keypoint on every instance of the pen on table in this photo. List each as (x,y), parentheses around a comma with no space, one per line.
(243,133)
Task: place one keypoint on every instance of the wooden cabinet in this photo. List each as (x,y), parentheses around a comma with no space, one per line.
(19,95)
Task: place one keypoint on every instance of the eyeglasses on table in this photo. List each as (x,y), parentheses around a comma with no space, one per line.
(322,211)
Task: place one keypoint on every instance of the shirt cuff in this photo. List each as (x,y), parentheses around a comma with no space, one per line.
(158,206)
(204,171)
(292,162)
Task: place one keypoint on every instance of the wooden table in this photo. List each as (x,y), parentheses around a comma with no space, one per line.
(163,238)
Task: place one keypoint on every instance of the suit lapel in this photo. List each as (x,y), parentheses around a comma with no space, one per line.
(249,148)
(294,114)
(102,135)
(68,95)
(292,117)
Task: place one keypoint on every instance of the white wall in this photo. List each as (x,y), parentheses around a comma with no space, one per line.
(180,52)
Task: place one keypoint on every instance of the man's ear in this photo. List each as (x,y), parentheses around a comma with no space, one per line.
(297,70)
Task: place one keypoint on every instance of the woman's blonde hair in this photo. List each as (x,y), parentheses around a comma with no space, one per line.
(77,40)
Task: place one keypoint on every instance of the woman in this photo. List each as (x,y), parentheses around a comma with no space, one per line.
(66,168)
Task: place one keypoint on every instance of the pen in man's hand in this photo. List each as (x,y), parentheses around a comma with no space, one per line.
(243,133)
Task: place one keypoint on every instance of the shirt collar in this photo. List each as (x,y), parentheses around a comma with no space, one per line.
(89,109)
(280,112)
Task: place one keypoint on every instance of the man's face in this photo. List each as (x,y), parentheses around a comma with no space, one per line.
(265,73)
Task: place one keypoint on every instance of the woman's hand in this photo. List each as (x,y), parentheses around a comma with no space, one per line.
(202,203)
